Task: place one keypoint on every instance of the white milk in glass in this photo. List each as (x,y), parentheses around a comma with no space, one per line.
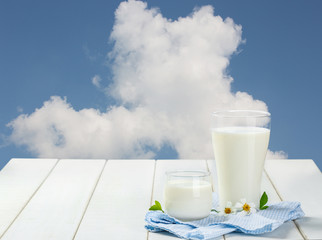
(240,154)
(188,199)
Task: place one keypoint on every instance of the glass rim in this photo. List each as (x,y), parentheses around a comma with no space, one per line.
(188,173)
(240,114)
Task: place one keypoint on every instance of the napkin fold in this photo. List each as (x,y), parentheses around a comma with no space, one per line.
(214,225)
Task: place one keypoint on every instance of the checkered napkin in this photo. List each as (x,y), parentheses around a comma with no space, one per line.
(214,225)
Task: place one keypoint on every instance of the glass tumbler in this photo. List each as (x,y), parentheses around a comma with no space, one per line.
(240,140)
(188,194)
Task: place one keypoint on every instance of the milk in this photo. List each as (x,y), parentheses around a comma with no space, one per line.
(240,154)
(188,199)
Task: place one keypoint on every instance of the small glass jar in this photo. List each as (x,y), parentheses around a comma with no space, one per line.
(188,194)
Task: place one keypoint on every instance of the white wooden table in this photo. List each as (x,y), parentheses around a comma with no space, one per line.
(107,199)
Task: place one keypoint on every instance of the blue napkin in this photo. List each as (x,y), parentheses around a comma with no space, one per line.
(214,225)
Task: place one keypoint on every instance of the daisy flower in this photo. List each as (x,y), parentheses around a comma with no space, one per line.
(245,208)
(228,209)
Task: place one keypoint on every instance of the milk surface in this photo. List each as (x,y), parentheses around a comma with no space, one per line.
(188,199)
(240,154)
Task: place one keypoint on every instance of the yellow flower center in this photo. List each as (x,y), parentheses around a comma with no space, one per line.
(227,210)
(246,207)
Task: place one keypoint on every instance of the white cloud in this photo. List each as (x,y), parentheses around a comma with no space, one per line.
(19,109)
(168,75)
(56,129)
(96,80)
(276,155)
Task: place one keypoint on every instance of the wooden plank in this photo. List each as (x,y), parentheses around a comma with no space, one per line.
(162,166)
(300,180)
(56,209)
(19,180)
(120,201)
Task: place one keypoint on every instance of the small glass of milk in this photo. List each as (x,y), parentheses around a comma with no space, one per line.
(188,194)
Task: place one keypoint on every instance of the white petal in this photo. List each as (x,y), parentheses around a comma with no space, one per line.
(243,200)
(253,210)
(233,210)
(239,205)
(229,204)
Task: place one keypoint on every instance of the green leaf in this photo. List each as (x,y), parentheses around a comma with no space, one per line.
(263,201)
(214,210)
(158,204)
(156,207)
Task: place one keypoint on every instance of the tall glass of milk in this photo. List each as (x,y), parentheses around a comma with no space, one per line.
(188,194)
(240,141)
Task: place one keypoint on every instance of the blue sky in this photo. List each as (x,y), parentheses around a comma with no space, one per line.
(56,48)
